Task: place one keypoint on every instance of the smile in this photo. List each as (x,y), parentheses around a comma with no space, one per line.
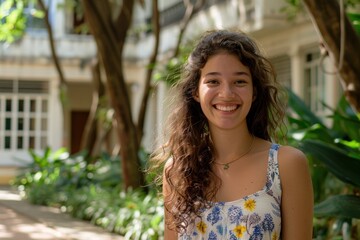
(226,108)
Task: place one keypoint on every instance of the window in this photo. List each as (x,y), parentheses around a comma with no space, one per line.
(251,9)
(23,114)
(282,66)
(314,83)
(174,12)
(75,19)
(78,19)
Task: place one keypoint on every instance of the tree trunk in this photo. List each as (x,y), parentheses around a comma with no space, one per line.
(326,16)
(110,42)
(90,134)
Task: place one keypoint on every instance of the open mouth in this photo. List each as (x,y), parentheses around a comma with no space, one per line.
(226,108)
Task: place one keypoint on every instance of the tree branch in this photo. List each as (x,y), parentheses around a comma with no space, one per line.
(123,22)
(52,42)
(191,9)
(326,16)
(150,69)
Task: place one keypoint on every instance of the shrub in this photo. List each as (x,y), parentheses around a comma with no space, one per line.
(93,192)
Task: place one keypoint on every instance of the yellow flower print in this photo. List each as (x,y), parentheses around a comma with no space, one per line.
(239,230)
(201,226)
(274,236)
(250,204)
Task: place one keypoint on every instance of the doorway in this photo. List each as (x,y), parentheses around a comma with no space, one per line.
(78,122)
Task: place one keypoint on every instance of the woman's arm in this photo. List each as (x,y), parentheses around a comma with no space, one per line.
(169,234)
(297,195)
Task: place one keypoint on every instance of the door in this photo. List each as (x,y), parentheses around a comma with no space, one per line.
(78,122)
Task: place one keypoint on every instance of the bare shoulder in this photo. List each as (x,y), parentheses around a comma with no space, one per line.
(294,170)
(291,157)
(297,194)
(293,164)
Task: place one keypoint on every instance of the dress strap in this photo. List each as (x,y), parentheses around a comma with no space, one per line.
(273,151)
(273,167)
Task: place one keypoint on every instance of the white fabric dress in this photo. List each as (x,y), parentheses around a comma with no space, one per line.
(254,217)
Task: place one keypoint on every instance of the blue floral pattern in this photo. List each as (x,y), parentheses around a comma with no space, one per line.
(254,217)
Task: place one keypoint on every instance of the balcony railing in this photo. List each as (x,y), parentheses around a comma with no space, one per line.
(176,12)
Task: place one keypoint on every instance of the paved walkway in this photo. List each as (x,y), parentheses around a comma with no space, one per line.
(20,220)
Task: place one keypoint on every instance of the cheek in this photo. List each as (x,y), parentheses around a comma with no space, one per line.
(206,97)
(201,94)
(246,93)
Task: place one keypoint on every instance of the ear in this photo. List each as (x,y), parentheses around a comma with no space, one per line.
(254,95)
(196,96)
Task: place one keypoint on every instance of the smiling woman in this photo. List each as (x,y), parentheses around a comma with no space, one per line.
(224,177)
(225,91)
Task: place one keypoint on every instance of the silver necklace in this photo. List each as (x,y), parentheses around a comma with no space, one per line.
(226,166)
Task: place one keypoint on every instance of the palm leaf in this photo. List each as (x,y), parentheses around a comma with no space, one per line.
(346,120)
(337,161)
(303,111)
(346,206)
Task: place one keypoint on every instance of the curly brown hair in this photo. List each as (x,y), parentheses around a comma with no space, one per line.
(189,175)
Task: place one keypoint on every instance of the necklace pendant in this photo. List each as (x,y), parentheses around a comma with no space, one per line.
(226,166)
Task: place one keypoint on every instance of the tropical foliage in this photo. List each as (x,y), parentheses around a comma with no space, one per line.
(93,192)
(334,156)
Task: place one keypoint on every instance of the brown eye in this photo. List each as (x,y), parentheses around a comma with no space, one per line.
(212,81)
(240,82)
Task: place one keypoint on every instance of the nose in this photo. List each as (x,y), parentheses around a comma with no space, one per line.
(226,91)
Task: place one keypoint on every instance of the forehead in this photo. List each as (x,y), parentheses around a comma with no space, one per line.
(224,63)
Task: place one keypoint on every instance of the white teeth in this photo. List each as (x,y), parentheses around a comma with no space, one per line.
(226,108)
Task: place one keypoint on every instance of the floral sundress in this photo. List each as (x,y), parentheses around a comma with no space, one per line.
(254,217)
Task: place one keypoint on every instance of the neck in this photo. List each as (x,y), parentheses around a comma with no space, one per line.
(230,144)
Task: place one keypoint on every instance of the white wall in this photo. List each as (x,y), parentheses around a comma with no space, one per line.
(275,35)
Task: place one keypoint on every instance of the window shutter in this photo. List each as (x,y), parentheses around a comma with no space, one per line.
(282,66)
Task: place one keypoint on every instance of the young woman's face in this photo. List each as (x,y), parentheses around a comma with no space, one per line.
(225,91)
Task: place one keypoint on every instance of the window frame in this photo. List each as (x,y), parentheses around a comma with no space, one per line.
(27,116)
(314,88)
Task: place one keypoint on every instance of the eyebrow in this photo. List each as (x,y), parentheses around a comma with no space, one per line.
(235,73)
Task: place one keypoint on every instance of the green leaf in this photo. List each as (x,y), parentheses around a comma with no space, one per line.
(316,131)
(338,162)
(345,109)
(5,6)
(37,13)
(346,206)
(303,111)
(296,123)
(345,120)
(61,153)
(318,174)
(355,21)
(13,20)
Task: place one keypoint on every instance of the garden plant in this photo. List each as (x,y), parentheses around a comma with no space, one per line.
(333,151)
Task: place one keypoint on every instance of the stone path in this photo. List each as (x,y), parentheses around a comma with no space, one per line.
(20,220)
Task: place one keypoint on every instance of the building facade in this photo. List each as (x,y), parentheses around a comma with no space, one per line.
(31,115)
